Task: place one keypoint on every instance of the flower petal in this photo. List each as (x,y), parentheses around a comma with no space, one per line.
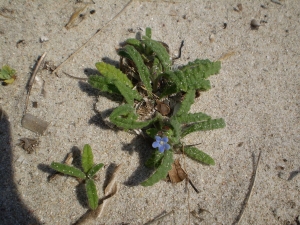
(155,144)
(157,138)
(165,139)
(161,149)
(167,146)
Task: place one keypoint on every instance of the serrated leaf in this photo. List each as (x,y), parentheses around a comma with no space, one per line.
(125,117)
(141,67)
(198,155)
(69,170)
(162,170)
(91,192)
(186,103)
(203,126)
(103,84)
(94,170)
(159,51)
(113,73)
(128,93)
(6,73)
(154,160)
(87,158)
(192,117)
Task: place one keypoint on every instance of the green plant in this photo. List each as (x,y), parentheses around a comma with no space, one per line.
(7,74)
(147,81)
(88,173)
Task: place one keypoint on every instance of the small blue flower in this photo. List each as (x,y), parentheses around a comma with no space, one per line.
(161,143)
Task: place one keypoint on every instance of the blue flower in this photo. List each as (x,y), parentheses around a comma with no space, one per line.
(161,144)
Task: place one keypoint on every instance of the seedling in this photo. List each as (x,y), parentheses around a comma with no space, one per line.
(7,74)
(150,85)
(87,175)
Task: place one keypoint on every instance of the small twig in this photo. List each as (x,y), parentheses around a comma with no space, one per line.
(85,44)
(179,52)
(76,78)
(239,218)
(30,83)
(159,218)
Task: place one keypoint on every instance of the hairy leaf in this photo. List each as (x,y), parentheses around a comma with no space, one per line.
(154,160)
(87,158)
(104,84)
(192,117)
(136,44)
(159,51)
(148,32)
(125,117)
(152,132)
(202,68)
(203,126)
(111,72)
(186,103)
(198,155)
(128,93)
(91,192)
(141,67)
(162,170)
(176,130)
(69,170)
(94,170)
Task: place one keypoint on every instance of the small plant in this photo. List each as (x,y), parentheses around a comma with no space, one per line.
(157,99)
(7,74)
(88,173)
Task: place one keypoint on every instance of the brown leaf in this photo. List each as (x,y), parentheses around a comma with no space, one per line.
(163,108)
(28,144)
(177,174)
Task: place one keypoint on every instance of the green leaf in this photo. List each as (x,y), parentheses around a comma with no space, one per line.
(192,117)
(6,72)
(125,117)
(148,32)
(94,170)
(159,51)
(69,170)
(162,170)
(186,103)
(128,93)
(135,43)
(152,132)
(141,67)
(175,138)
(91,192)
(104,84)
(111,72)
(202,68)
(203,126)
(87,159)
(155,159)
(198,155)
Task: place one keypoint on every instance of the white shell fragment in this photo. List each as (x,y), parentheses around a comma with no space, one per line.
(44,39)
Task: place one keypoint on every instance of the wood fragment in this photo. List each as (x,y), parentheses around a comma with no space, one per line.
(30,83)
(93,36)
(240,216)
(76,78)
(276,2)
(159,218)
(226,56)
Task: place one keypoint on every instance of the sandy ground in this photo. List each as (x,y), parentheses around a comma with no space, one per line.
(256,92)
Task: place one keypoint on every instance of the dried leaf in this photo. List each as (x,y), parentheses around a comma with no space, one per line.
(75,18)
(177,174)
(28,144)
(162,108)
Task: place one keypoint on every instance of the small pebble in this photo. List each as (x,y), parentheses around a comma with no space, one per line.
(44,39)
(254,24)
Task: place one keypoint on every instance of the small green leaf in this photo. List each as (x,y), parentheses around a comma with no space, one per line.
(94,170)
(111,72)
(152,132)
(87,159)
(160,52)
(69,170)
(6,72)
(162,170)
(103,84)
(202,68)
(175,138)
(141,67)
(128,93)
(203,126)
(92,195)
(135,43)
(198,155)
(186,103)
(155,159)
(148,32)
(125,117)
(192,117)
